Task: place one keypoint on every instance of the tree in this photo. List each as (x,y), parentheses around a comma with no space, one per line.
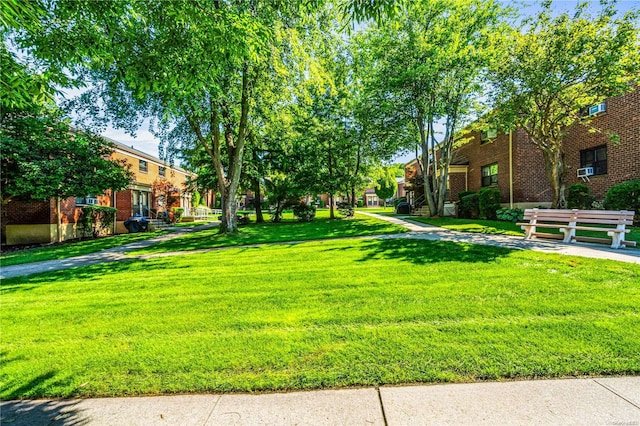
(166,194)
(428,63)
(41,158)
(197,66)
(386,184)
(554,68)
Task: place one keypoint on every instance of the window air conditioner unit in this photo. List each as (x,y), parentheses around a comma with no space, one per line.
(596,109)
(91,200)
(584,172)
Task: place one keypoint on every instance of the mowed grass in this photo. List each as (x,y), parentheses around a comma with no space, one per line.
(506,228)
(71,248)
(317,315)
(287,230)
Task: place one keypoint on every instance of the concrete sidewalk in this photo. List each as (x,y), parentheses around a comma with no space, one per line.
(417,230)
(600,401)
(109,255)
(420,230)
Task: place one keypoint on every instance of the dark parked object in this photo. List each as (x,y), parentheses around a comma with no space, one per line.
(403,208)
(136,224)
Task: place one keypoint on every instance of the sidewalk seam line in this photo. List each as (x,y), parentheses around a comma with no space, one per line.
(206,422)
(384,415)
(617,394)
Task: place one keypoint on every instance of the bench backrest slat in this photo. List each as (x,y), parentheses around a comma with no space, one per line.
(601,217)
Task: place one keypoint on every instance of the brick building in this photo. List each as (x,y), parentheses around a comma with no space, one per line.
(26,222)
(371,200)
(511,163)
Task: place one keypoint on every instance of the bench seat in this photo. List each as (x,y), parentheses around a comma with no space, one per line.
(570,221)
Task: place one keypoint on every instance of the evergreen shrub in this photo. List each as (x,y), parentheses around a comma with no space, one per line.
(488,202)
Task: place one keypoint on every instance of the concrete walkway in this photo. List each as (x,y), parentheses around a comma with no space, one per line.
(597,401)
(417,230)
(113,254)
(420,230)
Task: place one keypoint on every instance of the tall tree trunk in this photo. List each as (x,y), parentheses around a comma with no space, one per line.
(234,142)
(332,214)
(229,219)
(426,161)
(353,196)
(556,170)
(257,203)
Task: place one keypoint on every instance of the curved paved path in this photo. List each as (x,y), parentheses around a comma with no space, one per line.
(423,231)
(417,230)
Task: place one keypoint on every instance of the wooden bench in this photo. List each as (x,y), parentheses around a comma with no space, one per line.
(570,221)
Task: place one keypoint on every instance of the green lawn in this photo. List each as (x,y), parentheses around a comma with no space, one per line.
(72,248)
(317,315)
(506,228)
(388,210)
(288,230)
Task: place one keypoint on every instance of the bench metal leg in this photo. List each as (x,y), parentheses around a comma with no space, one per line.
(616,239)
(529,232)
(569,234)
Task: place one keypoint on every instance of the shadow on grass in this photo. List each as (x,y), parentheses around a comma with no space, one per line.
(31,282)
(36,412)
(422,252)
(41,412)
(259,233)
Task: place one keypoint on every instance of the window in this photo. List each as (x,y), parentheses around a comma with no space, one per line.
(490,174)
(596,158)
(162,171)
(143,166)
(488,135)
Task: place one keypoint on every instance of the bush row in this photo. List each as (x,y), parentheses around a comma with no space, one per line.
(483,205)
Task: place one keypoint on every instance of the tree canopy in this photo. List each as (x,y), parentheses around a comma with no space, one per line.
(41,158)
(285,96)
(553,68)
(428,63)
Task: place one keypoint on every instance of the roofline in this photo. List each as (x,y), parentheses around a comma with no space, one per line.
(143,155)
(140,154)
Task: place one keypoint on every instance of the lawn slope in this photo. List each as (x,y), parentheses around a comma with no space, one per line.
(316,315)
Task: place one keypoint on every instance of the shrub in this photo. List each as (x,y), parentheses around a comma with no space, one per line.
(360,203)
(579,196)
(321,203)
(178,212)
(304,212)
(463,194)
(510,215)
(346,210)
(97,220)
(488,202)
(468,207)
(625,196)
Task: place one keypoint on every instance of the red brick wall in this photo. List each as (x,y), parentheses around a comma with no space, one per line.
(16,212)
(124,201)
(622,117)
(479,155)
(530,182)
(37,212)
(456,184)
